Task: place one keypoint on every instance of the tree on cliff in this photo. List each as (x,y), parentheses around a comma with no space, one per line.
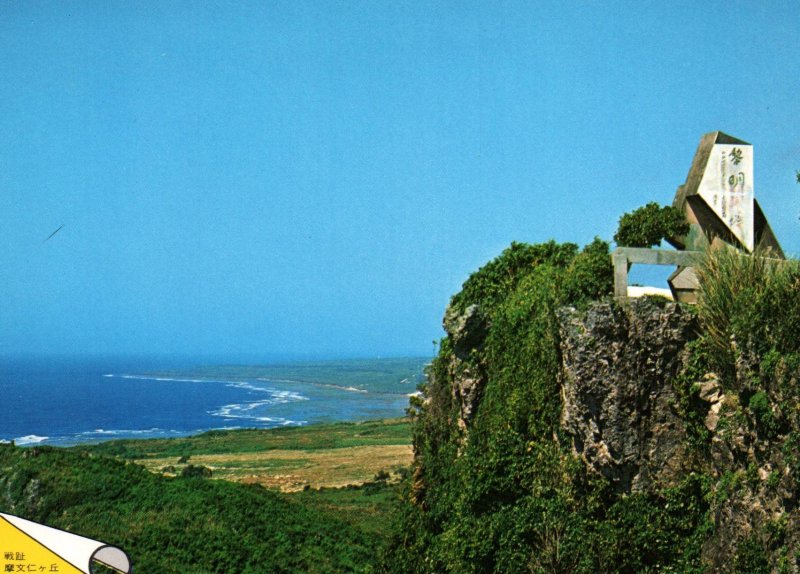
(647,226)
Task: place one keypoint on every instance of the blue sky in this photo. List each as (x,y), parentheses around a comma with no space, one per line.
(318,178)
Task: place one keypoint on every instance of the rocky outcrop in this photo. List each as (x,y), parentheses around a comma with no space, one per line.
(756,480)
(639,408)
(618,400)
(467,331)
(620,410)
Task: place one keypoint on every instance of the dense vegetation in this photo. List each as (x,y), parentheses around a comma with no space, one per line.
(193,524)
(750,303)
(509,495)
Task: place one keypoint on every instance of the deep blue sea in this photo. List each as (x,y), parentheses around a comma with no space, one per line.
(68,401)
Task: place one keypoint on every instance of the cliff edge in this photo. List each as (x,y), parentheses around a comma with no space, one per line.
(563,431)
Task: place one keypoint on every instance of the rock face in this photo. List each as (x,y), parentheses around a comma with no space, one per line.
(619,363)
(618,401)
(631,413)
(467,332)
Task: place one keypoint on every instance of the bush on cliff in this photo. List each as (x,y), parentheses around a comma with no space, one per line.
(749,302)
(647,226)
(749,308)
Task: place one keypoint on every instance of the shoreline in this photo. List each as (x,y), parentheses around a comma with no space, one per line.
(155,434)
(89,404)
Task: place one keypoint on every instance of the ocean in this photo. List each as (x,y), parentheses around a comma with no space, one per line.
(66,401)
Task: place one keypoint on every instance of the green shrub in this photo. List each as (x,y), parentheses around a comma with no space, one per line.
(196,471)
(494,281)
(748,304)
(589,275)
(692,409)
(751,558)
(759,406)
(647,226)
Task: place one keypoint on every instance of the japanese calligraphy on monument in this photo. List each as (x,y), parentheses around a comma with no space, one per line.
(727,188)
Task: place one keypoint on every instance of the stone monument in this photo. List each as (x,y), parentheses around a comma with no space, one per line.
(718,200)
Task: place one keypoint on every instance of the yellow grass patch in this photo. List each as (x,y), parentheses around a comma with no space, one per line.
(293,470)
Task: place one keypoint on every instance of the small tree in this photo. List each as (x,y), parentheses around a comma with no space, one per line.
(199,471)
(649,225)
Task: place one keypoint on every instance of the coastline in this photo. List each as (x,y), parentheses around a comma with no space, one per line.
(84,401)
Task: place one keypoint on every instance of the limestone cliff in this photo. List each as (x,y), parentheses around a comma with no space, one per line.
(634,412)
(562,431)
(618,400)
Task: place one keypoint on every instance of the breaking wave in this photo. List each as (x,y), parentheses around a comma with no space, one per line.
(30,439)
(254,410)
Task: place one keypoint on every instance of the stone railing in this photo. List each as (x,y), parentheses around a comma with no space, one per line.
(624,257)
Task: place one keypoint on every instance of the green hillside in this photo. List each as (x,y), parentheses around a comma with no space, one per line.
(194,524)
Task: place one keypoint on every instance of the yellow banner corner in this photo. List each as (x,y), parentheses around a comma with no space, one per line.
(27,546)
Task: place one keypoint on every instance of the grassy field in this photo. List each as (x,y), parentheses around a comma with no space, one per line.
(289,459)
